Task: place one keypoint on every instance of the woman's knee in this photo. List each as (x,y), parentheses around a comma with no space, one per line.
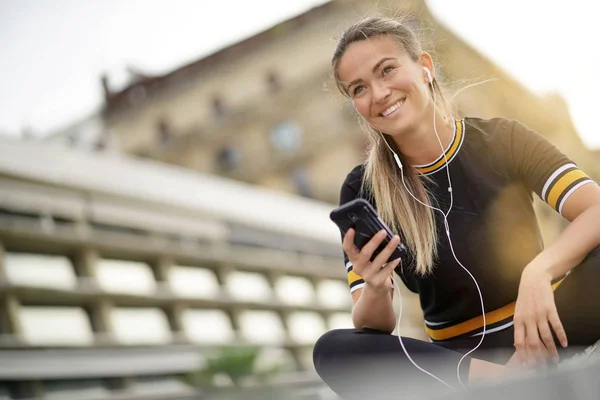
(330,344)
(341,345)
(334,358)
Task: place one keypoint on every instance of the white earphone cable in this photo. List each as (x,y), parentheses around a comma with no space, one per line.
(447,229)
(404,348)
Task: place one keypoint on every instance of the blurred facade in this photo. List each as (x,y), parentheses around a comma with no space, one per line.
(84,134)
(255,111)
(265,111)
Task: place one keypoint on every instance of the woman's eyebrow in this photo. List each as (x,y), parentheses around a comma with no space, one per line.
(384,59)
(375,68)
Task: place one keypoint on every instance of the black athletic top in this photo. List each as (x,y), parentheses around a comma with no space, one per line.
(495,166)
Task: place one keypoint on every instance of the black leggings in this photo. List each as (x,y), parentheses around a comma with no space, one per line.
(367,364)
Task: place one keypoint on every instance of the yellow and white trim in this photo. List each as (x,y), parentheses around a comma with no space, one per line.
(502,314)
(355,281)
(562,184)
(450,152)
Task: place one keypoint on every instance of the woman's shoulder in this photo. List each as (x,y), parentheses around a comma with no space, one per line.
(490,126)
(493,133)
(355,176)
(352,187)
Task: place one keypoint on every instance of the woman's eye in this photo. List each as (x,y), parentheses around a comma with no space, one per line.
(387,70)
(357,90)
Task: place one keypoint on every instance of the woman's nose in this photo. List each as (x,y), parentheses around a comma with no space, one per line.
(381,94)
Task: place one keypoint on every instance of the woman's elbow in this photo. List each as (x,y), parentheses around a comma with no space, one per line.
(386,325)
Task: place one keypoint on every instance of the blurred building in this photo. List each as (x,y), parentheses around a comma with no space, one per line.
(264,110)
(255,111)
(84,134)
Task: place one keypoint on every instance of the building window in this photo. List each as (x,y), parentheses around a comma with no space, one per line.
(286,137)
(137,95)
(164,131)
(229,158)
(301,180)
(72,140)
(219,107)
(100,145)
(273,82)
(141,153)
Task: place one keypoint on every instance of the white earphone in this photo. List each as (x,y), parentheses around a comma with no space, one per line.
(447,229)
(428,74)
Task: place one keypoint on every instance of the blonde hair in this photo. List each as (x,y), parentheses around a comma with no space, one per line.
(382,180)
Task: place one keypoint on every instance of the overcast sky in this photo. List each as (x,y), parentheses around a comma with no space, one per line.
(53,51)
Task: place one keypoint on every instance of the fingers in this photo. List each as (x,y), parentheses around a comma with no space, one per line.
(527,343)
(534,344)
(361,255)
(386,253)
(348,244)
(381,277)
(377,272)
(529,358)
(536,317)
(368,249)
(558,327)
(389,267)
(514,361)
(547,338)
(520,346)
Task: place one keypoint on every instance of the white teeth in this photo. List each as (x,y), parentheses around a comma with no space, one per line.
(392,108)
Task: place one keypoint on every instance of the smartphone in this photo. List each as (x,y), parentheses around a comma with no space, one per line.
(362,217)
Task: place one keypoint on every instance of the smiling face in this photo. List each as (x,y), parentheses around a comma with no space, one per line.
(388,88)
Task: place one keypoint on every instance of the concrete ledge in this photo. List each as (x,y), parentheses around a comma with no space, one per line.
(97,362)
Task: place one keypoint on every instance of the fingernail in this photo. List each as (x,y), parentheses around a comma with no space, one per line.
(564,343)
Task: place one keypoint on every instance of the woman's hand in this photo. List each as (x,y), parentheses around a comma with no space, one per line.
(375,273)
(535,315)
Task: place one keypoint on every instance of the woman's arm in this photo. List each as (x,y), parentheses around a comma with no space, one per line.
(373,309)
(535,311)
(582,235)
(373,301)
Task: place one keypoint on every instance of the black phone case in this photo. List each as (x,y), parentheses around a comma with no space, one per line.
(361,216)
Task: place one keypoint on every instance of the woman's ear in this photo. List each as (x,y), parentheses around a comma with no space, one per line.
(427,62)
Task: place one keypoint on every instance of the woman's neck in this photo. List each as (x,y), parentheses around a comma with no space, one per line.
(422,147)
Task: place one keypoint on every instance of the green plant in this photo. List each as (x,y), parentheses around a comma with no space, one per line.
(237,363)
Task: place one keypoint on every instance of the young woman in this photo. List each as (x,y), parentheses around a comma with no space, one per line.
(459,194)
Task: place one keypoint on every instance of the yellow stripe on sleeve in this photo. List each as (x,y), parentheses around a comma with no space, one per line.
(563,183)
(353,277)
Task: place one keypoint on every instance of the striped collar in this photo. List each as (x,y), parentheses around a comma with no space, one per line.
(451,151)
